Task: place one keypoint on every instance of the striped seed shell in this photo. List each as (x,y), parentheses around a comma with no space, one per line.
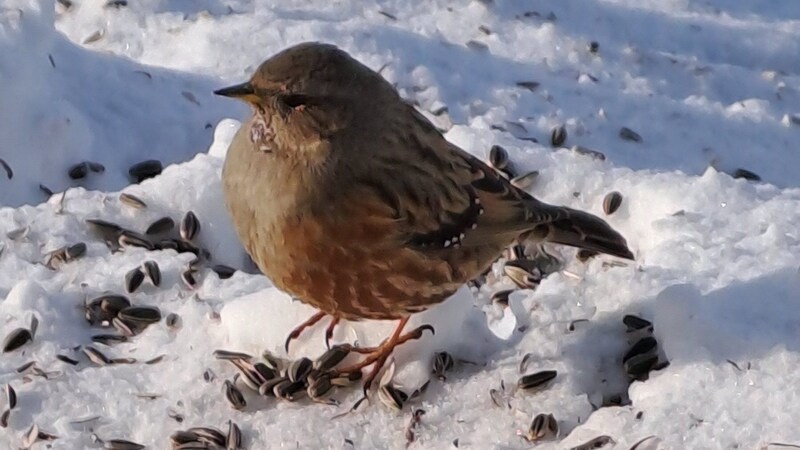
(67,359)
(145,169)
(234,396)
(132,201)
(133,279)
(11,395)
(78,171)
(229,355)
(96,167)
(392,397)
(4,418)
(187,276)
(558,136)
(75,251)
(233,441)
(299,369)
(152,271)
(501,297)
(96,356)
(523,273)
(121,444)
(128,238)
(498,157)
(525,180)
(16,339)
(190,226)
(543,426)
(289,390)
(173,321)
(160,226)
(442,362)
(111,303)
(643,346)
(629,135)
(224,272)
(182,437)
(210,435)
(635,323)
(332,357)
(612,202)
(536,382)
(599,441)
(141,314)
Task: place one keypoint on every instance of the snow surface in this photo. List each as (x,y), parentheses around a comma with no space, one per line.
(710,86)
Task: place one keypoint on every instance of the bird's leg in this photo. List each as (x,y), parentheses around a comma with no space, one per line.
(329,331)
(300,328)
(378,355)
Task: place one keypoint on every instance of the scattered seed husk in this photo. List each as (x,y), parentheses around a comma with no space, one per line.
(290,391)
(501,297)
(128,238)
(30,437)
(78,171)
(152,271)
(332,357)
(25,367)
(588,152)
(274,362)
(108,231)
(9,172)
(140,314)
(190,226)
(121,444)
(641,443)
(442,362)
(498,157)
(160,226)
(558,136)
(145,169)
(523,272)
(16,339)
(543,426)
(125,327)
(67,359)
(123,361)
(529,85)
(249,375)
(229,355)
(746,174)
(210,435)
(224,272)
(11,395)
(133,279)
(636,323)
(598,442)
(108,339)
(536,382)
(525,180)
(639,366)
(173,321)
(629,135)
(4,418)
(94,37)
(234,396)
(96,356)
(180,437)
(187,276)
(612,202)
(75,251)
(643,346)
(112,303)
(584,255)
(523,365)
(320,388)
(233,441)
(132,201)
(392,397)
(299,369)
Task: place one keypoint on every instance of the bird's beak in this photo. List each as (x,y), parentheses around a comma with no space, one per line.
(244,91)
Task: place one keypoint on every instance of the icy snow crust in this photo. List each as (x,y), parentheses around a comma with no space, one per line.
(717,257)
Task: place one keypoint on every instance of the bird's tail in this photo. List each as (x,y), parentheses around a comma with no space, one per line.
(567,226)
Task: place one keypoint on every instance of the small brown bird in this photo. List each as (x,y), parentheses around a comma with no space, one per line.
(349,199)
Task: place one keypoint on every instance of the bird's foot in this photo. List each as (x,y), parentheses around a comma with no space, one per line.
(377,356)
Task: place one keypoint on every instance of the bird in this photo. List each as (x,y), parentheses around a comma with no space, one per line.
(349,199)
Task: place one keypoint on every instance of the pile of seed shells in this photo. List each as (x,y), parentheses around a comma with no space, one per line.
(642,356)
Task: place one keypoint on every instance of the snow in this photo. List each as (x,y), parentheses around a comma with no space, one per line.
(710,86)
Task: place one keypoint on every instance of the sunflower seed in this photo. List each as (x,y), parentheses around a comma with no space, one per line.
(299,369)
(523,273)
(224,272)
(320,387)
(268,389)
(160,226)
(588,152)
(9,172)
(210,435)
(234,396)
(746,174)
(182,437)
(78,171)
(31,436)
(152,271)
(96,356)
(173,321)
(392,397)
(600,441)
(11,395)
(228,355)
(167,244)
(4,418)
(145,169)
(288,390)
(133,279)
(108,231)
(643,346)
(24,368)
(639,366)
(125,328)
(132,201)
(190,226)
(128,238)
(498,157)
(250,376)
(629,135)
(96,167)
(611,202)
(141,314)
(67,359)
(187,276)
(544,426)
(234,439)
(75,251)
(537,381)
(56,258)
(558,136)
(636,323)
(123,361)
(108,339)
(112,303)
(529,85)
(121,444)
(526,180)
(332,357)
(442,362)
(523,365)
(16,339)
